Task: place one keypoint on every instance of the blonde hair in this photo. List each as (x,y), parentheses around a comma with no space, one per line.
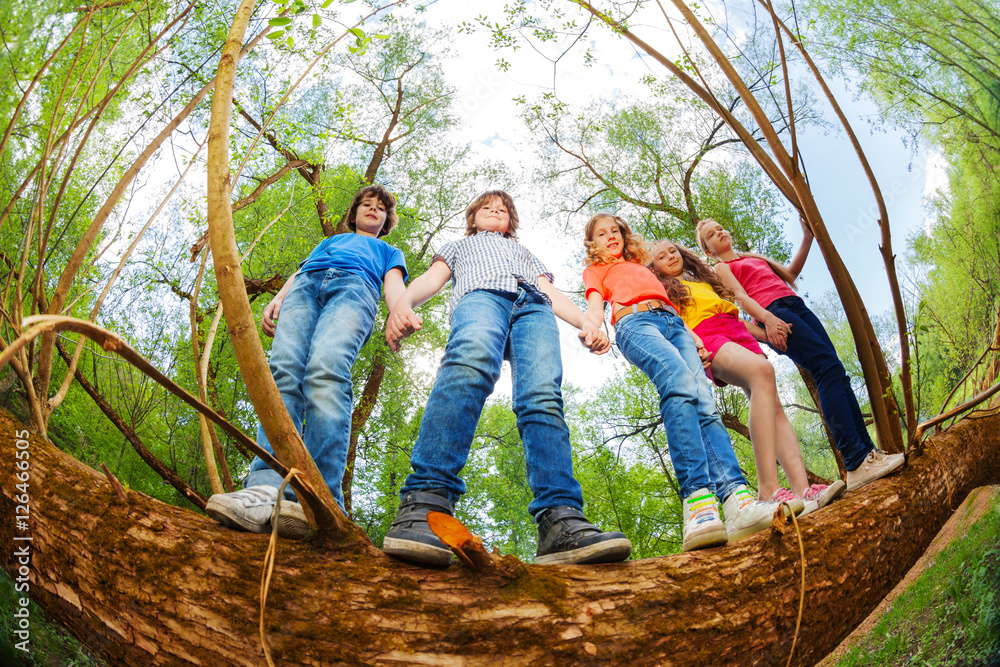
(485,199)
(696,271)
(636,249)
(780,269)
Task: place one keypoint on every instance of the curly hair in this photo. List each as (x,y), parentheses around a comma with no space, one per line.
(384,196)
(694,270)
(780,269)
(485,199)
(636,249)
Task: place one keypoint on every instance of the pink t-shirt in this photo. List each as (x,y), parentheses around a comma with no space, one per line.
(759,280)
(624,283)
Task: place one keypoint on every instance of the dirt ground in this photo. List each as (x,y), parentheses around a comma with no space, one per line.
(975,505)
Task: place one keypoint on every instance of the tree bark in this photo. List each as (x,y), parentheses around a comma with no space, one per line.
(151,584)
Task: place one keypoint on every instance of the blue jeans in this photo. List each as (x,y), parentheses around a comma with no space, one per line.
(659,344)
(325,320)
(810,347)
(486,328)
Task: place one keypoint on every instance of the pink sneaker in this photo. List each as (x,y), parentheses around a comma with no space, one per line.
(822,494)
(798,505)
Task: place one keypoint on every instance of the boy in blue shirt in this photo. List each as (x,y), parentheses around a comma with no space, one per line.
(503,306)
(328,309)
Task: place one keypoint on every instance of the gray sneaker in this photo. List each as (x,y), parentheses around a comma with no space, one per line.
(409,536)
(566,536)
(876,465)
(251,509)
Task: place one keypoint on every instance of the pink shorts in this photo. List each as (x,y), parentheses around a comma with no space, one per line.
(724,328)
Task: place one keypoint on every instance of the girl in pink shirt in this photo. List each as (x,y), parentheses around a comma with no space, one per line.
(651,336)
(737,359)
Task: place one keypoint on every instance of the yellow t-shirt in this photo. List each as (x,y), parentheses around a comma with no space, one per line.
(706,304)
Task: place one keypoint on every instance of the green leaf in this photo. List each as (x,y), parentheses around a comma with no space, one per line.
(317,20)
(279,21)
(277,34)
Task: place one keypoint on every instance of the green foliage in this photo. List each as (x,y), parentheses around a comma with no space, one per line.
(49,645)
(951,614)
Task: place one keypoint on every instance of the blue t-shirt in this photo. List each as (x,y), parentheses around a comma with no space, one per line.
(365,256)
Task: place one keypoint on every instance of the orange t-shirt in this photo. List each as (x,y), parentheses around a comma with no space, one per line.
(624,283)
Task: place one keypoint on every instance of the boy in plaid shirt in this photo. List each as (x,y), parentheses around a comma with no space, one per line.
(503,306)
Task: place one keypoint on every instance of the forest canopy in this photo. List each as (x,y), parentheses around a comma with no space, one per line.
(106,216)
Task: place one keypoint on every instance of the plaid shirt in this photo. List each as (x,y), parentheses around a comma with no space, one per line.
(489,260)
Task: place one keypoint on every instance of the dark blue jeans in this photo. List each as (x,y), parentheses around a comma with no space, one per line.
(486,328)
(810,347)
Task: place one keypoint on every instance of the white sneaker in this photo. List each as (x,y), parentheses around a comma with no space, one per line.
(251,509)
(745,515)
(876,465)
(702,526)
(823,495)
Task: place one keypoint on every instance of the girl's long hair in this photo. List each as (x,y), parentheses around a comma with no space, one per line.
(485,199)
(695,271)
(636,249)
(780,269)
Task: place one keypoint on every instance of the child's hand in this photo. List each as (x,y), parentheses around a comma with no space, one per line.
(270,314)
(777,332)
(593,338)
(703,353)
(401,323)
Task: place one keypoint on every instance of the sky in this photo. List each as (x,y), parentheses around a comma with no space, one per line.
(490,120)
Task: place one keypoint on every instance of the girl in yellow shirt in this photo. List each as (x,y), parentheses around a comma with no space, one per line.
(737,359)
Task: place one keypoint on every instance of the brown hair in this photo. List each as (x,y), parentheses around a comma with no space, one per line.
(384,196)
(483,200)
(636,249)
(696,271)
(780,269)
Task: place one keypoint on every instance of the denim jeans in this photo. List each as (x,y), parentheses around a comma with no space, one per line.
(486,328)
(810,347)
(659,344)
(325,320)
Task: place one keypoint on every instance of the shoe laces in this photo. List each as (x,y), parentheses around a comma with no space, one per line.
(256,495)
(783,495)
(743,498)
(815,491)
(702,510)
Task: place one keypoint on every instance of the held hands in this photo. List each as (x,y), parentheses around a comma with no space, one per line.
(703,354)
(777,332)
(270,314)
(401,323)
(593,338)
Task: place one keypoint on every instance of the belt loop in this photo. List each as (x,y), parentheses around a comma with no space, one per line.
(635,309)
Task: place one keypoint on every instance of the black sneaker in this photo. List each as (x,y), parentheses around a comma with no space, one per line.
(409,536)
(565,536)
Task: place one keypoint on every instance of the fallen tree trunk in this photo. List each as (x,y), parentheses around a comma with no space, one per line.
(145,583)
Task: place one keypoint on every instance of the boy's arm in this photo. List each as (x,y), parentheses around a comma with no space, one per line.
(271,310)
(590,334)
(776,328)
(402,320)
(393,286)
(795,268)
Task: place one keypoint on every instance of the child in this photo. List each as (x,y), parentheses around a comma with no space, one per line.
(328,310)
(737,359)
(651,335)
(502,306)
(763,289)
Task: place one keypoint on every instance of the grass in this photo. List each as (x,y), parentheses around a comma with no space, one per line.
(950,617)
